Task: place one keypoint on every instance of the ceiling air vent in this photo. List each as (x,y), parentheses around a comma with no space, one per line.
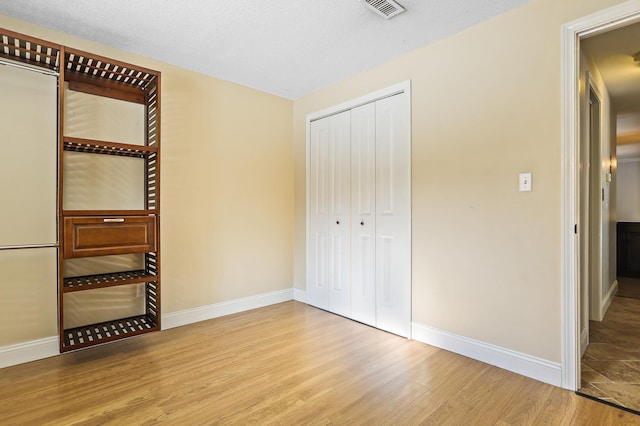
(386,8)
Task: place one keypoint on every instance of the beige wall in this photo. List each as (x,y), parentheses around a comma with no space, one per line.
(226,189)
(486,106)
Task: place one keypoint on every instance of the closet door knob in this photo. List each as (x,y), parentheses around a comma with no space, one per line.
(337,222)
(362,223)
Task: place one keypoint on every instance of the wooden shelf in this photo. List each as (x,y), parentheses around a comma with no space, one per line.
(89,335)
(92,146)
(90,282)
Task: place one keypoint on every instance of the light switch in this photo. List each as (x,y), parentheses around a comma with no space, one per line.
(525,182)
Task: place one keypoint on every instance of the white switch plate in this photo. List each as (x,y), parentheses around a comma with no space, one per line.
(525,182)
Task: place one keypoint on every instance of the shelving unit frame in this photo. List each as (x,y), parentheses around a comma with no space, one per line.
(101,76)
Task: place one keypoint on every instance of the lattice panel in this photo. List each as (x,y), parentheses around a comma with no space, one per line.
(152,116)
(152,140)
(151,263)
(152,181)
(152,300)
(29,50)
(117,72)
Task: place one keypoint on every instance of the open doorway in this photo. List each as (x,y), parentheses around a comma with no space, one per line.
(610,94)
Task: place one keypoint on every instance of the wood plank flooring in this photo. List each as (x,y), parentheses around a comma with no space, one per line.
(611,363)
(287,364)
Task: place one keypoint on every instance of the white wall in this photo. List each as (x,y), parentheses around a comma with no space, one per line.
(628,192)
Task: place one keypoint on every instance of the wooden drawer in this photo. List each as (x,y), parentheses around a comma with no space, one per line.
(101,236)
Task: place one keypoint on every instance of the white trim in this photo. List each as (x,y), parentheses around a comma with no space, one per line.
(596,208)
(29,351)
(614,17)
(48,347)
(202,313)
(608,298)
(517,362)
(300,295)
(396,89)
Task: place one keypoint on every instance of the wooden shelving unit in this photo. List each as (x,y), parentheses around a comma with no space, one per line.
(100,232)
(88,233)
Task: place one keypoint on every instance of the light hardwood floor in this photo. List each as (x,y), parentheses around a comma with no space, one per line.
(284,364)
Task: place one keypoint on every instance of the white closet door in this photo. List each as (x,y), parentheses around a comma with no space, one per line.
(363,213)
(317,279)
(329,194)
(393,216)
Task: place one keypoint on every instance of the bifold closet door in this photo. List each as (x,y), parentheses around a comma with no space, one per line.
(363,211)
(381,215)
(393,216)
(329,198)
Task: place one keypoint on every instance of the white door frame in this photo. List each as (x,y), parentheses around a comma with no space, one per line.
(608,19)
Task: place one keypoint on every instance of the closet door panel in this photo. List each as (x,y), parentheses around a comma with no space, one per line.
(28,175)
(363,208)
(317,268)
(27,295)
(393,216)
(340,194)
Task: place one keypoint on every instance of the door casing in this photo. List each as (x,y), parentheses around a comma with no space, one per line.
(599,22)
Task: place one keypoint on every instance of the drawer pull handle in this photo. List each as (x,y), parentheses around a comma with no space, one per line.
(108,220)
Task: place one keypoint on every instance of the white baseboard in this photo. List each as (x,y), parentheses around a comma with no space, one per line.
(47,347)
(29,351)
(517,362)
(300,295)
(202,313)
(608,298)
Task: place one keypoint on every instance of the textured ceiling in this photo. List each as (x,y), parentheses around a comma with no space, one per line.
(287,48)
